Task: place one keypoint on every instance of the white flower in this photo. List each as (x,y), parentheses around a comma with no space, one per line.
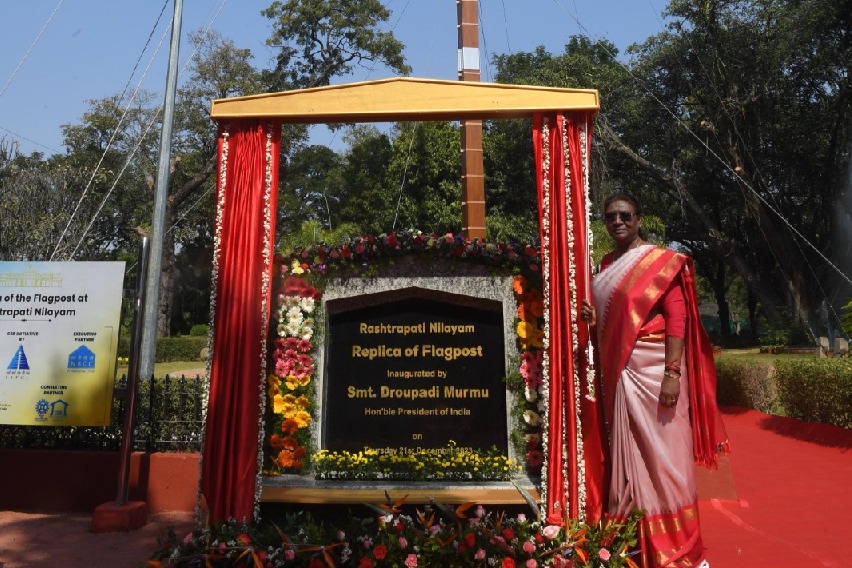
(532,418)
(306,305)
(531,394)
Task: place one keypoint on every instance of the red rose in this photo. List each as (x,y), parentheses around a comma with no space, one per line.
(243,539)
(380,552)
(508,533)
(366,562)
(470,539)
(508,563)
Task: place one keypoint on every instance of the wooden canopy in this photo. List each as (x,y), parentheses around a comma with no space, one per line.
(404,99)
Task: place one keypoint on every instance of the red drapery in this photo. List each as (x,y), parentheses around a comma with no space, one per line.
(574,474)
(246,204)
(247,190)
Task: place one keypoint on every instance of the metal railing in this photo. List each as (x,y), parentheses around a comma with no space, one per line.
(168,418)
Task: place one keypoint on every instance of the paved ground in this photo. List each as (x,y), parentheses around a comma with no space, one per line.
(29,540)
(782,499)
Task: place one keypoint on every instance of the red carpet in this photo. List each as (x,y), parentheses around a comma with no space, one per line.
(783,498)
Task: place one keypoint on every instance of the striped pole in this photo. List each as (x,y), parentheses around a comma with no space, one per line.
(472,171)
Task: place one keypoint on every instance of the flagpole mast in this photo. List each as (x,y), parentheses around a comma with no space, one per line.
(472,170)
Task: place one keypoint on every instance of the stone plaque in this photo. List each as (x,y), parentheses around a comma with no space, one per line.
(411,370)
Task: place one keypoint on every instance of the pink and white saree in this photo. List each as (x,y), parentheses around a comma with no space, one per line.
(653,447)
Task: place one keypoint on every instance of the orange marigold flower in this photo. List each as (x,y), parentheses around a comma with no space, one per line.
(289,426)
(519,284)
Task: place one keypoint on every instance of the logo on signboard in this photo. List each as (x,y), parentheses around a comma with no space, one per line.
(19,364)
(81,358)
(58,409)
(41,408)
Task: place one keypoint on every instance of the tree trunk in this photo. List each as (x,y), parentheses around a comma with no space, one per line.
(168,278)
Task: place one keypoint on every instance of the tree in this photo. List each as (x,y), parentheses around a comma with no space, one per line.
(38,199)
(759,93)
(729,124)
(321,39)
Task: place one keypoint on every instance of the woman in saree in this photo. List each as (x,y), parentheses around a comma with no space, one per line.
(658,382)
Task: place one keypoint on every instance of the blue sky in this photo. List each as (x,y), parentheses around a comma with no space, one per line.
(89,48)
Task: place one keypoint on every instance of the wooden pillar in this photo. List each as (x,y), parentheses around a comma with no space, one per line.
(472,171)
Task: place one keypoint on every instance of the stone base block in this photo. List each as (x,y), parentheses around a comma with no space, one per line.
(112,517)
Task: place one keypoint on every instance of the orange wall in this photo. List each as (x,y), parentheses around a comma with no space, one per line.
(57,480)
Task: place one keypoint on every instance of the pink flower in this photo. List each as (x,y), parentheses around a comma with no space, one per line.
(289,554)
(529,547)
(480,555)
(402,542)
(531,563)
(479,511)
(603,554)
(411,560)
(551,531)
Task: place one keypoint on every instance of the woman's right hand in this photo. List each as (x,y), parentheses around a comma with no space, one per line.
(587,313)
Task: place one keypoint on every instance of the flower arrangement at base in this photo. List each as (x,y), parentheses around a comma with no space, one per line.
(397,536)
(442,464)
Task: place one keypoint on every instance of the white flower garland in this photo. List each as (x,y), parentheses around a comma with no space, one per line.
(217,247)
(266,253)
(545,285)
(575,343)
(590,350)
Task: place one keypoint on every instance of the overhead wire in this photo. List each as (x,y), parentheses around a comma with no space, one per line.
(18,67)
(116,128)
(709,150)
(30,49)
(153,121)
(746,149)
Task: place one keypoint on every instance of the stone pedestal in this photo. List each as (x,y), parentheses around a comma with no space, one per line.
(112,517)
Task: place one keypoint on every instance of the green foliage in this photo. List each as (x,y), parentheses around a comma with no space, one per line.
(199,330)
(747,382)
(819,390)
(180,348)
(321,39)
(810,389)
(846,318)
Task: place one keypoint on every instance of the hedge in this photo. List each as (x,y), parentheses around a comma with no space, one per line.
(817,391)
(814,390)
(180,348)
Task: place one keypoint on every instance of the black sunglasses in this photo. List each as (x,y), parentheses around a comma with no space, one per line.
(624,216)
